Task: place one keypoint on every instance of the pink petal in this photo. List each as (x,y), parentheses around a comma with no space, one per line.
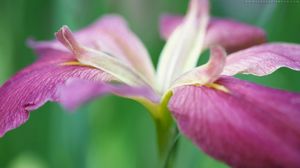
(72,100)
(249,126)
(37,84)
(233,35)
(168,23)
(110,34)
(85,91)
(263,59)
(132,48)
(230,34)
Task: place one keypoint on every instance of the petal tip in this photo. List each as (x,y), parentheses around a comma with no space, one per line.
(63,33)
(201,6)
(31,42)
(65,36)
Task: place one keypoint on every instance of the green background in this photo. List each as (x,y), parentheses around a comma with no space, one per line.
(110,131)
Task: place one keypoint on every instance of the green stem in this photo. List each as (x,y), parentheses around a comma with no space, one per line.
(167,133)
(167,143)
(170,160)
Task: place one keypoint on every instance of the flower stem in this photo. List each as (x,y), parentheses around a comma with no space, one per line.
(170,159)
(167,145)
(167,132)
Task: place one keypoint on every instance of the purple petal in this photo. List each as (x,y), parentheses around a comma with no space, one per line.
(87,90)
(37,84)
(248,126)
(232,35)
(264,59)
(111,35)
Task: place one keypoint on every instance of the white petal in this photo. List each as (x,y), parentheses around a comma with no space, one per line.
(185,45)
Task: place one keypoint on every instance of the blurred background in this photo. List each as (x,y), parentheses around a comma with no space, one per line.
(110,131)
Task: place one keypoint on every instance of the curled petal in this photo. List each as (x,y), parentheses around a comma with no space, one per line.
(183,48)
(100,60)
(204,74)
(263,59)
(111,35)
(248,126)
(231,35)
(37,84)
(87,90)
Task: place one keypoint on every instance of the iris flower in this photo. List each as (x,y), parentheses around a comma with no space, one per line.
(235,121)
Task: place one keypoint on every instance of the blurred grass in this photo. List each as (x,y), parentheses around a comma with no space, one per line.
(112,132)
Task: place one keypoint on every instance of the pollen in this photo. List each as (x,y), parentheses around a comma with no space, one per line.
(217,87)
(74,63)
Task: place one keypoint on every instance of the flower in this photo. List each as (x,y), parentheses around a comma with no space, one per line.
(238,122)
